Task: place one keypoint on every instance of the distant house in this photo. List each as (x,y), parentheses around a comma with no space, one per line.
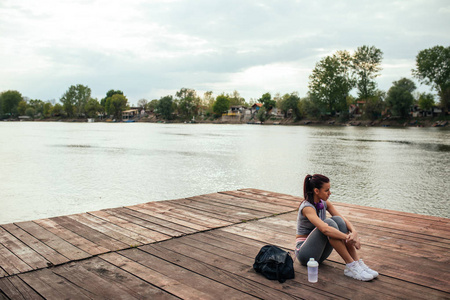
(236,110)
(415,111)
(354,110)
(255,107)
(129,114)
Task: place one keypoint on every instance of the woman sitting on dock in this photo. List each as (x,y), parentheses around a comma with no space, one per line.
(317,235)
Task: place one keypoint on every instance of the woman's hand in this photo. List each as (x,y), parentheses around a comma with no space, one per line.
(353,239)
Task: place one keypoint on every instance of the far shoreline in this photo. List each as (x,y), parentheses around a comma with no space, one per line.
(387,122)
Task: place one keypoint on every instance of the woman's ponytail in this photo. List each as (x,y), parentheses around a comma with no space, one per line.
(308,189)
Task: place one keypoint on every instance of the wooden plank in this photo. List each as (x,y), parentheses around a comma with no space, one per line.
(98,286)
(212,219)
(111,230)
(211,210)
(247,203)
(406,267)
(50,254)
(288,204)
(397,221)
(124,281)
(143,208)
(52,286)
(161,225)
(365,227)
(184,276)
(15,288)
(384,211)
(192,216)
(222,241)
(11,264)
(240,265)
(241,212)
(53,241)
(90,234)
(176,218)
(71,237)
(293,198)
(204,267)
(22,251)
(166,283)
(409,251)
(152,235)
(426,272)
(244,204)
(2,272)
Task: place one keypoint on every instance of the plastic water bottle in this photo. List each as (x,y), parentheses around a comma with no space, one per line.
(313,270)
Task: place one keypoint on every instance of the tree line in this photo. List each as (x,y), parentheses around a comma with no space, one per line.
(331,82)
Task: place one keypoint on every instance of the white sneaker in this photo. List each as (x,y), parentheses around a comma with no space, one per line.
(367,269)
(355,271)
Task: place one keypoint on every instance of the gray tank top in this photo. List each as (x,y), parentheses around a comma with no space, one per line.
(304,226)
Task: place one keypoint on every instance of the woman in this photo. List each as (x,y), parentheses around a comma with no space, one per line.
(317,235)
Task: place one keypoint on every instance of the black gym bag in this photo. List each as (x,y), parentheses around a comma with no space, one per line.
(274,263)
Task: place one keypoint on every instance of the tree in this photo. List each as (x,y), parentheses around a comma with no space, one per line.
(236,99)
(142,103)
(117,104)
(221,105)
(399,97)
(426,101)
(68,101)
(261,115)
(267,102)
(10,100)
(82,96)
(188,102)
(30,111)
(165,107)
(38,106)
(92,108)
(291,102)
(109,94)
(75,98)
(374,105)
(152,104)
(312,107)
(22,107)
(57,110)
(208,102)
(47,109)
(433,68)
(366,65)
(331,82)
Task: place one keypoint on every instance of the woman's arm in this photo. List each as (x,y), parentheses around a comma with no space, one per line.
(353,236)
(332,232)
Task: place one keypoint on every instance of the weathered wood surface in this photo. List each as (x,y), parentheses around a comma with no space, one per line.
(203,247)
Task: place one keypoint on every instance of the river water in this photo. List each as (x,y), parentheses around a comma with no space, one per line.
(52,169)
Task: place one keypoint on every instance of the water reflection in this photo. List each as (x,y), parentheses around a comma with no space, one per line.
(74,168)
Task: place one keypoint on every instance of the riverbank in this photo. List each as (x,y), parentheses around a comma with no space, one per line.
(441,121)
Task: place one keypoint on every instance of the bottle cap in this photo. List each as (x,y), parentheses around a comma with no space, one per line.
(312,262)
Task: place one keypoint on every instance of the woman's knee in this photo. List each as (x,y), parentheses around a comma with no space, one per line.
(332,223)
(340,224)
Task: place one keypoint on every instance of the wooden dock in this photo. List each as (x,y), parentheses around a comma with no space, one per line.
(203,247)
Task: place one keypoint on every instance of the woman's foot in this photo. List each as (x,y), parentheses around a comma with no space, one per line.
(367,269)
(354,270)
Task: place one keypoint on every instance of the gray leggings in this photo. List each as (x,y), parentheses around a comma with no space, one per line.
(317,244)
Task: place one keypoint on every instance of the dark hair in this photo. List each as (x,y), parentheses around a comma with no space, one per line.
(311,183)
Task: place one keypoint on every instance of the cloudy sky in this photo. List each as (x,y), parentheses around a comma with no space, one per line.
(152,48)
